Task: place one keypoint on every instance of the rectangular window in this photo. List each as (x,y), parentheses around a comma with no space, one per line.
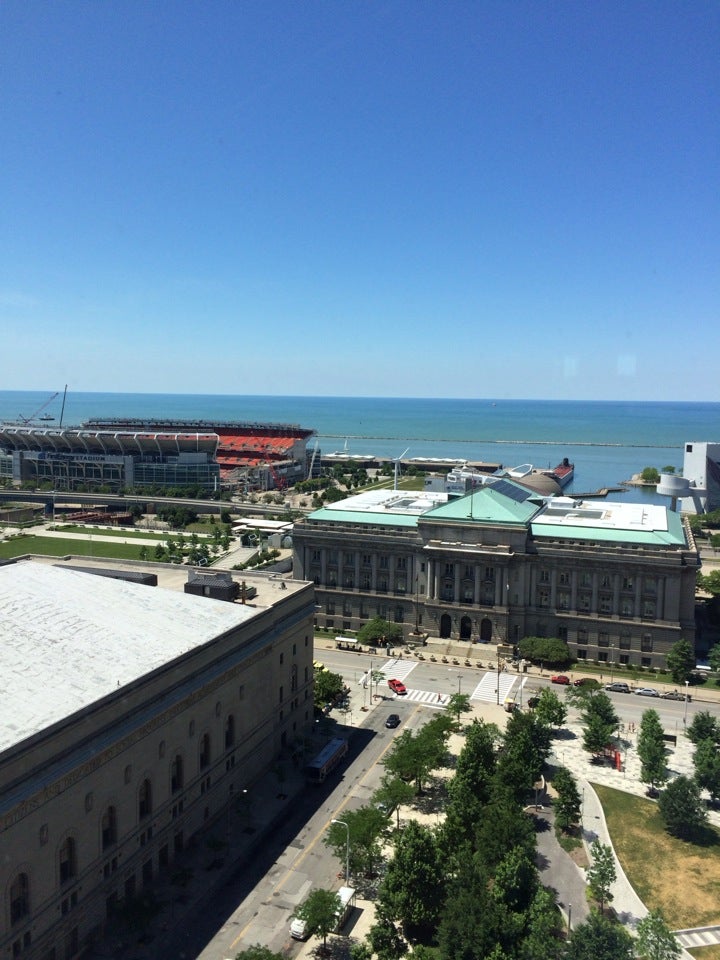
(399,615)
(489,573)
(602,656)
(330,607)
(646,644)
(649,609)
(585,579)
(605,604)
(449,569)
(624,659)
(582,654)
(628,583)
(348,557)
(564,578)
(384,563)
(584,602)
(582,635)
(563,600)
(603,640)
(401,563)
(544,576)
(366,560)
(627,608)
(605,580)
(543,598)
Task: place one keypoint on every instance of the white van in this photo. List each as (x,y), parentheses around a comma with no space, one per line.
(298,927)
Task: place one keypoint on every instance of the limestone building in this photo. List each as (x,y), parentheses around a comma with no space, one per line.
(616,580)
(132,716)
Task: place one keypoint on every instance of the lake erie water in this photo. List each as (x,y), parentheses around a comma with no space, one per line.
(607,441)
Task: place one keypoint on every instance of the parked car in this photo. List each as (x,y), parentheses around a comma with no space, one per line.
(397,686)
(559,678)
(587,682)
(393,721)
(646,692)
(617,687)
(676,695)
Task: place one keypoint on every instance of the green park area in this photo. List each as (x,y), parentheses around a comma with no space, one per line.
(678,877)
(60,547)
(109,532)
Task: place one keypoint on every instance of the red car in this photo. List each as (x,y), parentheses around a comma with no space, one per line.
(559,678)
(397,687)
(587,682)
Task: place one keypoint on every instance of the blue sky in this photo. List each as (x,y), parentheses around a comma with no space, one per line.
(452,199)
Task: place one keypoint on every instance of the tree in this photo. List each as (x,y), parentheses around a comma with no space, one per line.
(362,838)
(319,912)
(704,726)
(413,889)
(601,874)
(682,809)
(502,827)
(714,655)
(525,749)
(393,793)
(412,757)
(549,650)
(258,952)
(472,921)
(680,660)
(378,631)
(599,720)
(650,475)
(655,940)
(457,704)
(569,803)
(599,939)
(328,687)
(550,709)
(651,750)
(707,768)
(385,942)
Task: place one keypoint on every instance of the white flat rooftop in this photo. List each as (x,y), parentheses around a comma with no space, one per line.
(413,502)
(68,639)
(566,512)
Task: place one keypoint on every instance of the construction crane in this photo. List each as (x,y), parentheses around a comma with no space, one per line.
(36,414)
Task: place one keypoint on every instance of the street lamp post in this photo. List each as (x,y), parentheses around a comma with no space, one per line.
(347,850)
(612,662)
(569,920)
(687,685)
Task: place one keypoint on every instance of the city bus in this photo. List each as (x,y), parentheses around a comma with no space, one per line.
(325,762)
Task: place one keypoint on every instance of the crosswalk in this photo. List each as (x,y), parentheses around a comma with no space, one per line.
(492,687)
(699,937)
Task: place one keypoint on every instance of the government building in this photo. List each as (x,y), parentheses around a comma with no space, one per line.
(133,717)
(615,580)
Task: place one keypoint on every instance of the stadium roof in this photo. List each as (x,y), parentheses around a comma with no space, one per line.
(68,638)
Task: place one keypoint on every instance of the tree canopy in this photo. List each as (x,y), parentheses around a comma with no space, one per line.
(651,750)
(319,912)
(602,873)
(680,660)
(548,650)
(378,631)
(655,940)
(682,809)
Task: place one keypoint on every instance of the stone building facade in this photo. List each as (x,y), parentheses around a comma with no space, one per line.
(136,747)
(616,581)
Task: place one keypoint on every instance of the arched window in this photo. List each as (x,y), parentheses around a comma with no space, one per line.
(109,828)
(204,751)
(19,898)
(229,731)
(176,773)
(68,861)
(144,799)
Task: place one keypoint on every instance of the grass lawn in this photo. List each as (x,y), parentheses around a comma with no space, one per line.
(57,547)
(682,879)
(706,953)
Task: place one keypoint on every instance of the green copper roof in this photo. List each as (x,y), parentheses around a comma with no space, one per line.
(366,517)
(504,502)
